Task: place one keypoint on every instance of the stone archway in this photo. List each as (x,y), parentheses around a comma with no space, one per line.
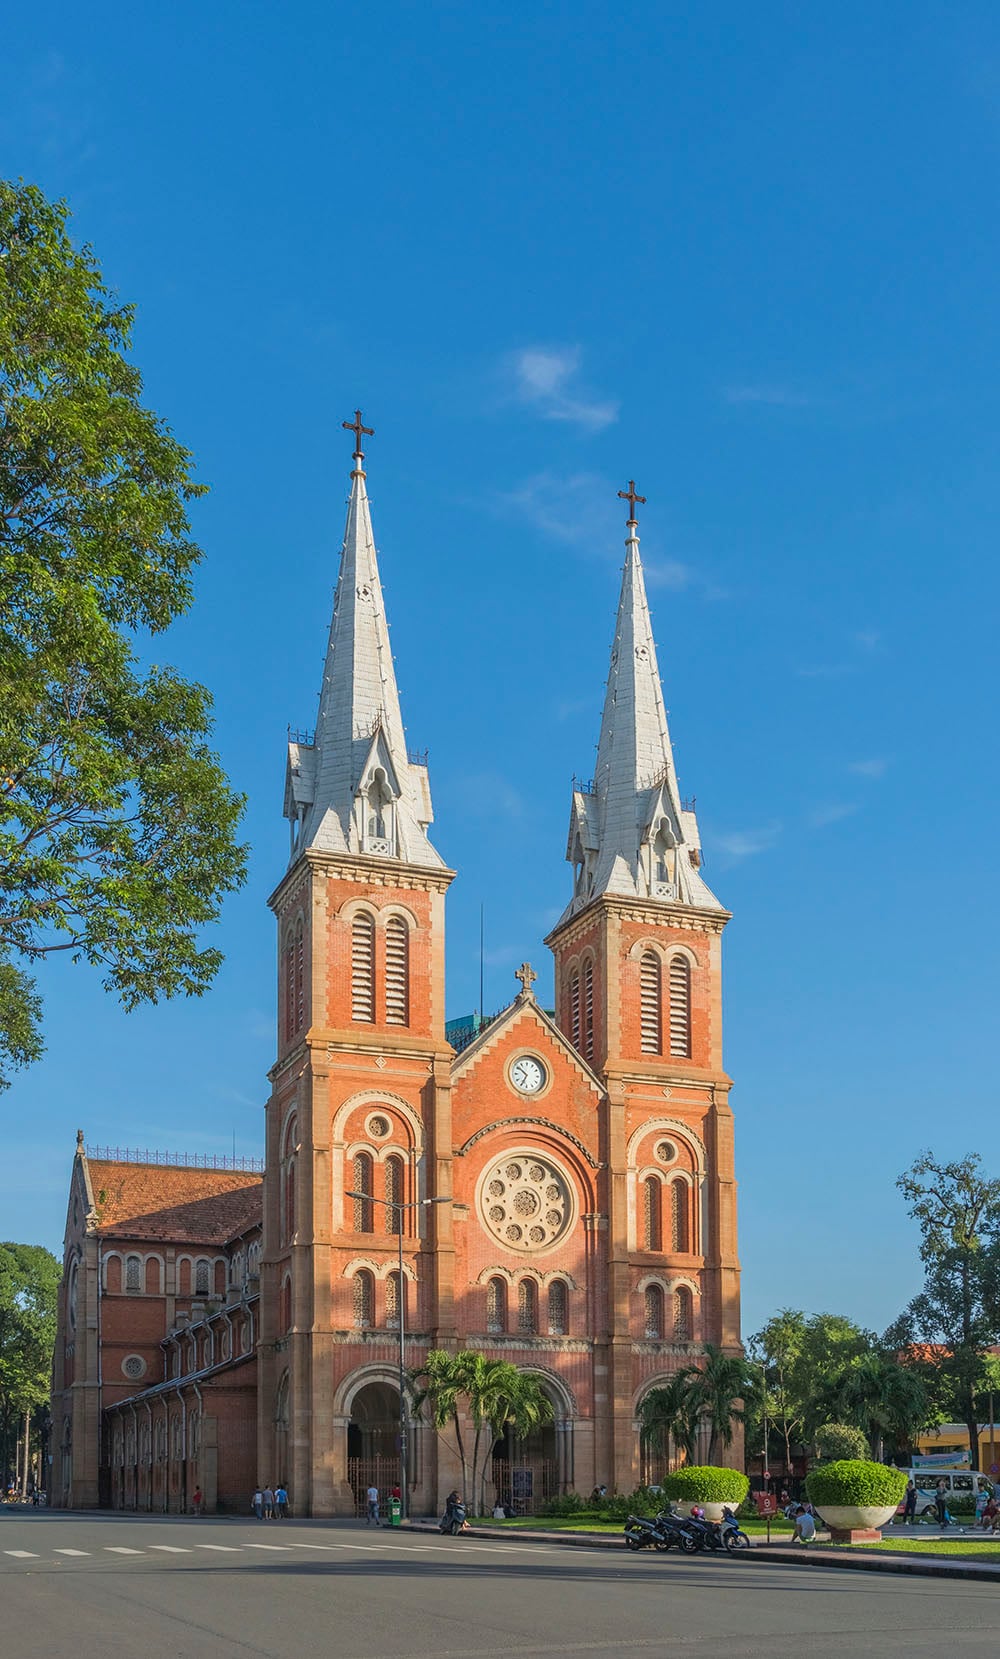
(527,1471)
(373,1441)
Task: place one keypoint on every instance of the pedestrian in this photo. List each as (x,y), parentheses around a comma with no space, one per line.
(941,1504)
(281,1503)
(268,1504)
(990,1514)
(910,1506)
(197,1501)
(257,1503)
(372,1499)
(805,1527)
(982,1498)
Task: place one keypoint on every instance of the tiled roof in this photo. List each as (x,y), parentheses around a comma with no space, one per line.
(157,1201)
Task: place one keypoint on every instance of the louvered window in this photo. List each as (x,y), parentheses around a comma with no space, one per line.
(527,1306)
(289,987)
(496,1306)
(654,1313)
(133,1275)
(393,1192)
(397,971)
(575,1028)
(392,1300)
(652,1207)
(558,1316)
(362,1183)
(649,1003)
(290,1201)
(680,1232)
(682,1315)
(680,1007)
(588,1011)
(300,978)
(363,968)
(363,1292)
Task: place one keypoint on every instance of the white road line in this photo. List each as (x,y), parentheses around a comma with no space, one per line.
(72,1552)
(122,1549)
(168,1549)
(269,1546)
(229,1549)
(23,1555)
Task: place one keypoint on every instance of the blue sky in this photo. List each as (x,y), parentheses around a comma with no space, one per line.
(747,257)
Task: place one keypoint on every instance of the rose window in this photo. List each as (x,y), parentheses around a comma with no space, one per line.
(525,1203)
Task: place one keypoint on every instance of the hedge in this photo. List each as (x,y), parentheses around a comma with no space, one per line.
(701,1483)
(855,1481)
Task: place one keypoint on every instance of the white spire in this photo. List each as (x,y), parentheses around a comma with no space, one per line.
(353,788)
(630,833)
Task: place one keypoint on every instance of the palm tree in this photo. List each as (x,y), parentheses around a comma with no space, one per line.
(490,1393)
(718,1388)
(670,1411)
(884,1398)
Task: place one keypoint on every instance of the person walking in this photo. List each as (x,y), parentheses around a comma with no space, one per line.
(281,1503)
(268,1503)
(372,1499)
(257,1503)
(910,1505)
(941,1503)
(197,1501)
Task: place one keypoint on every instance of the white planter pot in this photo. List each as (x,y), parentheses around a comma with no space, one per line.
(849,1517)
(713,1511)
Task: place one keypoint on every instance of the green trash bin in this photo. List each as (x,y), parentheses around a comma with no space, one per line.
(395,1512)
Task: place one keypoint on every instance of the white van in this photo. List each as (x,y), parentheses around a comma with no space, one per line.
(960,1486)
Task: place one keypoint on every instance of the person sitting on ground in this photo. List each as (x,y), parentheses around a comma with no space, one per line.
(805,1527)
(989,1515)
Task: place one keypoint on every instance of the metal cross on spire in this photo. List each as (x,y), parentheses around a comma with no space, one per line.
(359,429)
(630,496)
(526,974)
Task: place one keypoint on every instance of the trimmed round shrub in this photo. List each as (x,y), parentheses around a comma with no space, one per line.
(839,1441)
(701,1483)
(855,1481)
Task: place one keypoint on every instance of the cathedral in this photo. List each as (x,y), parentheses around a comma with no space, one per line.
(554,1188)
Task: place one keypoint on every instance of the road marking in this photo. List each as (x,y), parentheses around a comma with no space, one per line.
(122,1549)
(269,1546)
(22,1555)
(72,1552)
(169,1549)
(230,1549)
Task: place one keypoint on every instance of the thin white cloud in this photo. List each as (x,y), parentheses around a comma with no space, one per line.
(739,844)
(669,573)
(867,639)
(869,768)
(775,396)
(831,813)
(547,379)
(577,509)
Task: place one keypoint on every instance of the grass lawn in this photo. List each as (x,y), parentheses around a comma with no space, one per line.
(587,1521)
(972,1548)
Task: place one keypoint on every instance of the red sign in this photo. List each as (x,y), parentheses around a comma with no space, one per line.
(766,1475)
(767,1503)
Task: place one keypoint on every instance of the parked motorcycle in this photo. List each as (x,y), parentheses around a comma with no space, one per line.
(707,1534)
(453,1519)
(665,1532)
(643,1534)
(733,1536)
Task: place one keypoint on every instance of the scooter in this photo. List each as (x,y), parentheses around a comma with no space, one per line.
(733,1536)
(642,1534)
(453,1520)
(706,1533)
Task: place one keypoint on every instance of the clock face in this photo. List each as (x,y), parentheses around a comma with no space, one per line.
(527,1074)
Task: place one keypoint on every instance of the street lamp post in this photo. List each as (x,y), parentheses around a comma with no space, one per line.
(391,1204)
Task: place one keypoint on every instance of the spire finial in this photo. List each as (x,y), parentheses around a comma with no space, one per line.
(359,429)
(526,974)
(630,496)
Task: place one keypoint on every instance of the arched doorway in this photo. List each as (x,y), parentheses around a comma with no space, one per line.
(527,1471)
(373,1441)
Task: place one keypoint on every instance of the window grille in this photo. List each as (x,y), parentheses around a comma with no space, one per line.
(680,1007)
(133,1275)
(363,968)
(363,1291)
(588,1011)
(558,1319)
(397,971)
(392,1300)
(682,1315)
(652,1196)
(496,1306)
(201,1281)
(362,1183)
(393,1192)
(527,1306)
(649,1003)
(575,1028)
(300,978)
(289,975)
(679,1211)
(654,1313)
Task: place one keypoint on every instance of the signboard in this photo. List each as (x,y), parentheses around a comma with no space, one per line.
(941,1460)
(767,1503)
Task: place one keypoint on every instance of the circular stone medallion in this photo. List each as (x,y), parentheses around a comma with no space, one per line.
(525,1202)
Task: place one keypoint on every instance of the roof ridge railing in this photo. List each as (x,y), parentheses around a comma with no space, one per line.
(176,1160)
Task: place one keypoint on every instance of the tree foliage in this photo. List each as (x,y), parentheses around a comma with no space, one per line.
(711,1394)
(117,824)
(836,1441)
(29,1287)
(490,1394)
(803,1359)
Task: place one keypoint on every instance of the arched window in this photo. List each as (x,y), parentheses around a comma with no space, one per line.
(362,1183)
(496,1306)
(397,971)
(288,976)
(680,1232)
(363,968)
(575,1026)
(654,1313)
(290,1199)
(364,1297)
(393,1191)
(588,1010)
(683,1306)
(527,1306)
(652,1213)
(649,1003)
(300,977)
(113,1274)
(133,1275)
(392,1300)
(201,1278)
(680,1007)
(152,1276)
(558,1311)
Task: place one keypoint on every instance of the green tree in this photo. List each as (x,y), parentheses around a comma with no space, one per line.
(718,1387)
(957,1209)
(835,1441)
(670,1411)
(804,1358)
(29,1288)
(886,1400)
(489,1394)
(117,824)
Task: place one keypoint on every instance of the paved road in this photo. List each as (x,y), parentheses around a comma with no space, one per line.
(127,1587)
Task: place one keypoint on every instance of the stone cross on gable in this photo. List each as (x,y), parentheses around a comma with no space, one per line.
(526,974)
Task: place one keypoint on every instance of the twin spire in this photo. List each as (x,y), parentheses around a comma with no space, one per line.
(353,788)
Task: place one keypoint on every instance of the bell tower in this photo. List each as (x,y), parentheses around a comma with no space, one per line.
(360,1089)
(638,992)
